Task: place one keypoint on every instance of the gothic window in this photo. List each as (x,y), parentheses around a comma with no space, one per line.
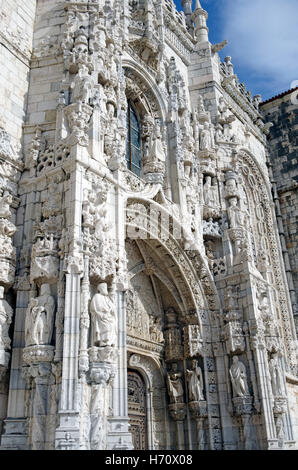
(133,143)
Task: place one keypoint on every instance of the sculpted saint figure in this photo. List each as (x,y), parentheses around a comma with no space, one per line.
(210,193)
(103,317)
(40,318)
(82,86)
(175,385)
(239,378)
(5,321)
(276,377)
(236,216)
(195,382)
(206,141)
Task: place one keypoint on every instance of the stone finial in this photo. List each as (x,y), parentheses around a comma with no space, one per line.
(199,17)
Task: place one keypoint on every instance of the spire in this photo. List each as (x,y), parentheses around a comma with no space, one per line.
(199,17)
(187,8)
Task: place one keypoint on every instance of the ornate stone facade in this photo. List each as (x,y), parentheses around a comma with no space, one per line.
(143,298)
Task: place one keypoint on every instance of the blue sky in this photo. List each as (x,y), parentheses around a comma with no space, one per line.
(262,41)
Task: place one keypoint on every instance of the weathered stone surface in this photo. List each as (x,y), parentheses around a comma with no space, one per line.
(144,302)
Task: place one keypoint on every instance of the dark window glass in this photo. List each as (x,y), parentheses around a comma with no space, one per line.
(133,143)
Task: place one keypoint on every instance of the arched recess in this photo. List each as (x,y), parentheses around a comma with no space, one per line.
(258,190)
(150,369)
(185,282)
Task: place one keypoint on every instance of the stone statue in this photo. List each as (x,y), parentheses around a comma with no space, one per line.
(206,141)
(239,378)
(5,321)
(236,216)
(103,317)
(40,318)
(210,193)
(276,377)
(195,382)
(82,86)
(175,385)
(5,203)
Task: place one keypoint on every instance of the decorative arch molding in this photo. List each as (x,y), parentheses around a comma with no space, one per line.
(144,88)
(255,178)
(163,278)
(150,369)
(191,273)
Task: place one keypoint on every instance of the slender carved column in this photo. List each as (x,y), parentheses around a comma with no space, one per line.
(41,373)
(200,413)
(84,320)
(178,414)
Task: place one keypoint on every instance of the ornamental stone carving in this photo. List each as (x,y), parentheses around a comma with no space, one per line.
(173,340)
(6,313)
(193,341)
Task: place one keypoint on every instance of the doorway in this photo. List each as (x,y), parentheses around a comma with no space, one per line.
(137,410)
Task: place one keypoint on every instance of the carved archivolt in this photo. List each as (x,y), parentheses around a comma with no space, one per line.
(142,92)
(257,184)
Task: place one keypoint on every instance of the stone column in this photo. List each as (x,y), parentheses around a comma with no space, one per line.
(119,437)
(69,413)
(178,414)
(243,408)
(199,412)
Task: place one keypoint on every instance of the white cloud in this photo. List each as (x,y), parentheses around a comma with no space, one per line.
(263,39)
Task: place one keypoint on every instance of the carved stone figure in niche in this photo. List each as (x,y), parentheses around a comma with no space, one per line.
(82,86)
(206,139)
(195,382)
(175,385)
(103,317)
(5,203)
(156,332)
(5,321)
(276,377)
(239,378)
(40,318)
(157,148)
(231,189)
(236,216)
(210,193)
